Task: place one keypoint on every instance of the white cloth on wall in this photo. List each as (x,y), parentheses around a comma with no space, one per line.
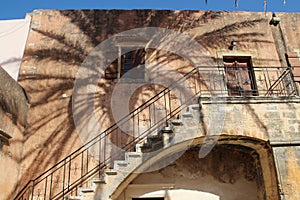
(13,37)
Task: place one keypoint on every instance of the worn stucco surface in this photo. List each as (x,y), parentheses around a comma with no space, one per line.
(59,41)
(228,172)
(14,107)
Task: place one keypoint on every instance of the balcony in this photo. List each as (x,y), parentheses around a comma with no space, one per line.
(246,82)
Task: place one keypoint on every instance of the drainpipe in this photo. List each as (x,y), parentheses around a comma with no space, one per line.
(281,44)
(279,39)
(286,47)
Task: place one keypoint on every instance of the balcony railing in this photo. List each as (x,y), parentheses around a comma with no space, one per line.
(247,81)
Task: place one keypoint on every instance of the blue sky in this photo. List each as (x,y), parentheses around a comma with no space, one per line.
(15,9)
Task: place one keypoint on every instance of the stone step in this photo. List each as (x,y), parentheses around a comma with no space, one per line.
(167,129)
(120,164)
(132,155)
(98,180)
(193,108)
(110,172)
(186,115)
(85,190)
(175,122)
(74,198)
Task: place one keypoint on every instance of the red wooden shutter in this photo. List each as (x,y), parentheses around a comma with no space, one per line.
(239,77)
(231,79)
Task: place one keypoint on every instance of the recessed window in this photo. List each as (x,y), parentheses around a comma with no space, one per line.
(239,76)
(131,66)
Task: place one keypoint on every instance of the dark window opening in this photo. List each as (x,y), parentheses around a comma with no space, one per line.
(132,66)
(239,76)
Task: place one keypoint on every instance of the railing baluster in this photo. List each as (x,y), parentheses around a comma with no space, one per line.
(195,87)
(87,161)
(294,83)
(265,78)
(154,115)
(117,137)
(45,190)
(99,156)
(149,111)
(166,111)
(270,81)
(170,102)
(51,181)
(279,90)
(64,176)
(133,127)
(29,193)
(32,192)
(199,83)
(104,153)
(138,123)
(69,176)
(82,163)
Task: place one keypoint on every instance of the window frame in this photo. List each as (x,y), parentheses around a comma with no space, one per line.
(241,67)
(117,68)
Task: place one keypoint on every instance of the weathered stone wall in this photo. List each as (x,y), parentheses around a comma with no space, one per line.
(13,112)
(290,30)
(263,118)
(288,164)
(13,99)
(273,120)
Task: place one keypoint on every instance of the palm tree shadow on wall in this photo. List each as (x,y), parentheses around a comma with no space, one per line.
(51,112)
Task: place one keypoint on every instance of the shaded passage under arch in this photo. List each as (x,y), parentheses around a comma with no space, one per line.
(228,172)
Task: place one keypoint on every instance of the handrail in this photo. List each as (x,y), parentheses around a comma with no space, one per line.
(51,185)
(30,186)
(283,75)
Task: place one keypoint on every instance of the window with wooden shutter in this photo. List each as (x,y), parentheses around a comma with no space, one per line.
(239,76)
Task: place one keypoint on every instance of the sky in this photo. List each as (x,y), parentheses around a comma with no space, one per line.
(17,9)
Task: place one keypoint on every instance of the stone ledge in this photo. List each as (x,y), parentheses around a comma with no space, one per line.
(284,143)
(245,100)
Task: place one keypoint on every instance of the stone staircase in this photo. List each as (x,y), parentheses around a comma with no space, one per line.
(58,182)
(108,176)
(187,126)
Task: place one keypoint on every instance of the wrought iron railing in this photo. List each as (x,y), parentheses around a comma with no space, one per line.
(247,81)
(89,160)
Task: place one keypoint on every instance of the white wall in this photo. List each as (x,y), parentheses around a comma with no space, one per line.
(13,36)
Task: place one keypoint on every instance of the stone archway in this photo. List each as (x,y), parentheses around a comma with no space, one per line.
(237,168)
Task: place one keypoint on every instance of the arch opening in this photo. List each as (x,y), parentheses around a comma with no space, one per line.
(237,168)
